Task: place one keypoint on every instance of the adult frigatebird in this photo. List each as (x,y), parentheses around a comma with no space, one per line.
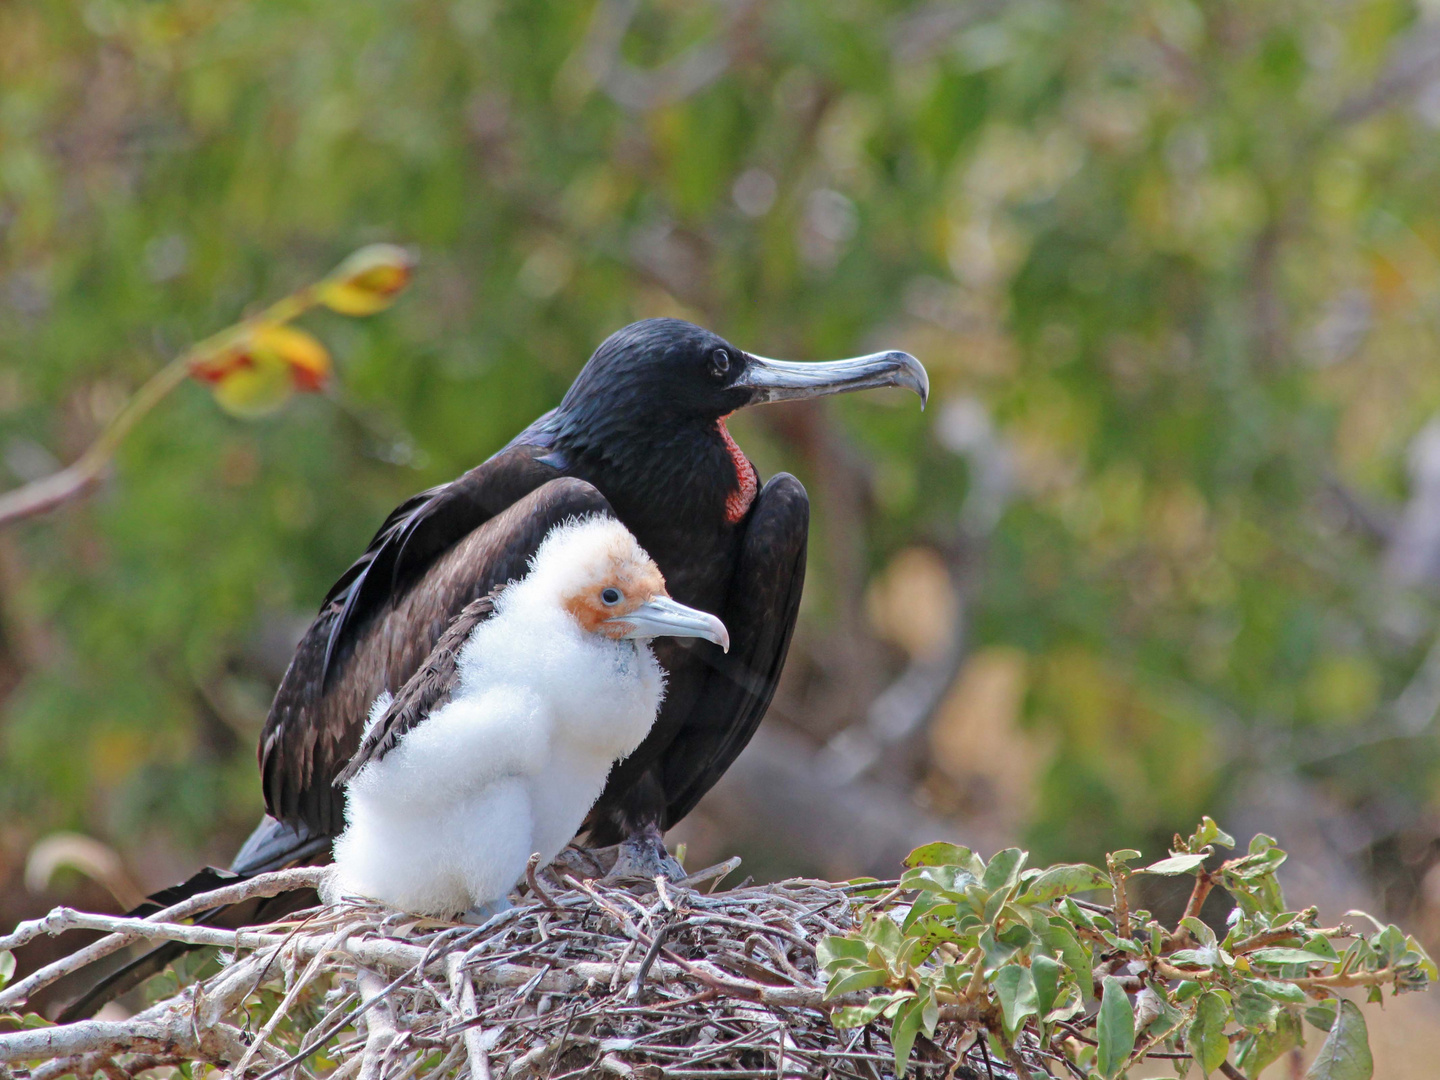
(640,435)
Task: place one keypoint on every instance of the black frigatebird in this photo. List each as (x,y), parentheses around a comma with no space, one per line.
(640,435)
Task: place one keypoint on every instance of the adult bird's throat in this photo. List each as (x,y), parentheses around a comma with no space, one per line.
(747,481)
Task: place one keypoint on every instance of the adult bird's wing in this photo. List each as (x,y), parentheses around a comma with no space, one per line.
(437,554)
(760,612)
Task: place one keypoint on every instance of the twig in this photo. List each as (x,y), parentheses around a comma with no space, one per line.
(717,873)
(464,991)
(651,954)
(281,1011)
(380,1030)
(261,886)
(534,883)
(1204,882)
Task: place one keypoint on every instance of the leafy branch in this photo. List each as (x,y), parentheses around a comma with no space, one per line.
(964,948)
(253,367)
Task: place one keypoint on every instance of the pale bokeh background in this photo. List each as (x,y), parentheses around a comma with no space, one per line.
(1165,543)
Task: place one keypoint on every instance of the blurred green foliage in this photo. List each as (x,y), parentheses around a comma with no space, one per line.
(1188,256)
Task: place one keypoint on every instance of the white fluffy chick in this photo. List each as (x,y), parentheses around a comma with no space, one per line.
(500,744)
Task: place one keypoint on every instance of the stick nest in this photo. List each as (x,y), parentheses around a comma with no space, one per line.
(580,978)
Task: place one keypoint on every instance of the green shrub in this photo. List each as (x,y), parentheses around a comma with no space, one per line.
(960,948)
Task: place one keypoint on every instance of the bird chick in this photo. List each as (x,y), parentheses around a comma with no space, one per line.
(501,743)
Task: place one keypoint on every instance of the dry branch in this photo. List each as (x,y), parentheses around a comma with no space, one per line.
(128,931)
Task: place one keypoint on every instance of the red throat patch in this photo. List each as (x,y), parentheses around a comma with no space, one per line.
(747,481)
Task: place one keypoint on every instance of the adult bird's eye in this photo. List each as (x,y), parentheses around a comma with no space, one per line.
(611,596)
(719,363)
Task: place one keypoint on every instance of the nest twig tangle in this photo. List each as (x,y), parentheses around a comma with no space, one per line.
(582,978)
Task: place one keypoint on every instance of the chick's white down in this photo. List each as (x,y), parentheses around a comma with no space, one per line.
(511,764)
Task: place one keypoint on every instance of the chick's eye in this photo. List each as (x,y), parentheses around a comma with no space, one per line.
(719,363)
(611,596)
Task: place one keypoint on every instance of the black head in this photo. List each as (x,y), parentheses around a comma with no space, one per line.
(644,419)
(675,369)
(664,366)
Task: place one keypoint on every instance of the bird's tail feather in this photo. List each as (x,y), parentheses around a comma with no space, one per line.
(272,846)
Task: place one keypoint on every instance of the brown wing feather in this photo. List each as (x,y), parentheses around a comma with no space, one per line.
(315,724)
(424,692)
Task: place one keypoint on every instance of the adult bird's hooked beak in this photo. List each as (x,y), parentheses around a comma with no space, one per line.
(663,617)
(784,380)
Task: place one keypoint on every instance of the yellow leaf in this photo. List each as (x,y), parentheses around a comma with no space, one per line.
(255,388)
(302,353)
(368,281)
(257,375)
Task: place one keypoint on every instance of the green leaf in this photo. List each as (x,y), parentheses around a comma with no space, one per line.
(834,949)
(1205,1038)
(1263,1048)
(1115,941)
(1017,934)
(885,935)
(941,854)
(1062,940)
(864,979)
(1389,944)
(1015,987)
(1186,989)
(924,904)
(1281,991)
(1199,930)
(1066,878)
(997,952)
(1067,1005)
(1345,1054)
(1264,857)
(854,1016)
(1004,870)
(1046,973)
(929,1012)
(1204,957)
(1254,1010)
(1210,833)
(7,966)
(1286,956)
(1261,842)
(1114,1028)
(903,1031)
(949,881)
(1176,864)
(1077,915)
(897,999)
(1322,1015)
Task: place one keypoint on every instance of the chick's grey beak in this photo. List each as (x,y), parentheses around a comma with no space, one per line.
(784,380)
(663,617)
